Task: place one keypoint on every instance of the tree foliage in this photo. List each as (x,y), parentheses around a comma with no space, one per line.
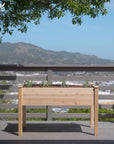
(20,12)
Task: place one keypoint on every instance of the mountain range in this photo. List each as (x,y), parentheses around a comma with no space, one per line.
(28,54)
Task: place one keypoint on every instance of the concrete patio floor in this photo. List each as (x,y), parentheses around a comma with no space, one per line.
(56,132)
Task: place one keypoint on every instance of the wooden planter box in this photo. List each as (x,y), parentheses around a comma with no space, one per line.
(57,96)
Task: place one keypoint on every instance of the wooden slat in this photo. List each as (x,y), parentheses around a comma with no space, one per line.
(29,115)
(34,78)
(57,101)
(8,87)
(106,88)
(55,115)
(57,91)
(8,115)
(103,115)
(71,115)
(110,97)
(57,68)
(106,106)
(36,115)
(5,87)
(36,107)
(43,115)
(6,96)
(59,78)
(8,106)
(84,78)
(101,106)
(57,96)
(21,78)
(8,78)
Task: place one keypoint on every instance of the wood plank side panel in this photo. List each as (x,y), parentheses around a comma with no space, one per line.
(56,101)
(7,96)
(57,96)
(56,91)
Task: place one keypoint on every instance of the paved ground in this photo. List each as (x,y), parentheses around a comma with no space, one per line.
(56,133)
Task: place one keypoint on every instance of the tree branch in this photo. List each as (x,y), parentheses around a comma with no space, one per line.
(58,4)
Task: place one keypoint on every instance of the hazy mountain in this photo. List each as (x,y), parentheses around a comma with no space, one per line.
(25,54)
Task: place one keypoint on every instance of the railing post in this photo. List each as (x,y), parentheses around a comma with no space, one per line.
(49,76)
(49,108)
(49,113)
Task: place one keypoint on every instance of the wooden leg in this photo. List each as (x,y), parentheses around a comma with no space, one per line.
(24,116)
(92,116)
(96,111)
(20,113)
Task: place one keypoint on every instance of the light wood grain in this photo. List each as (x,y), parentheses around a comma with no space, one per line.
(57,101)
(96,112)
(57,91)
(59,96)
(20,113)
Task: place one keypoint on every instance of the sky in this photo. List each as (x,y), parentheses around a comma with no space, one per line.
(93,37)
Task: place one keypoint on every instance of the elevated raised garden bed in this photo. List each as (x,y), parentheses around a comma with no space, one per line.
(56,95)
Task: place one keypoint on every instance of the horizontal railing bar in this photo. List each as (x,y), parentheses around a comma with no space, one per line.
(15,115)
(107,87)
(5,87)
(6,96)
(103,115)
(5,106)
(8,77)
(71,115)
(8,106)
(59,78)
(55,115)
(36,115)
(83,78)
(109,97)
(10,87)
(22,78)
(8,115)
(12,106)
(57,68)
(106,106)
(80,115)
(36,107)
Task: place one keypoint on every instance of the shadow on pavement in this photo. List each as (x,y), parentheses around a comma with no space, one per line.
(45,127)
